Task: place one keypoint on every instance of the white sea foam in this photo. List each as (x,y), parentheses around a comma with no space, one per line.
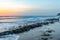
(31,35)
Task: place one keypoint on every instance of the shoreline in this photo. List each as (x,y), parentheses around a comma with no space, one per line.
(26,28)
(38,33)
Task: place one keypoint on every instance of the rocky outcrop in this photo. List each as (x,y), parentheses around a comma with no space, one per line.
(26,27)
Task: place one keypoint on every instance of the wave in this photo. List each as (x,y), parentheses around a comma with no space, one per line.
(7,26)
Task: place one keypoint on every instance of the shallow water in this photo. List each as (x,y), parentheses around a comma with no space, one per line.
(35,34)
(8,23)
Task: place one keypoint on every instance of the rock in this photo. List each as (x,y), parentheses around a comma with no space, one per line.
(58,14)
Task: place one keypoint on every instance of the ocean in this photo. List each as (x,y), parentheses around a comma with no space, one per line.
(12,22)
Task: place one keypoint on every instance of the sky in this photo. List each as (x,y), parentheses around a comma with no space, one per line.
(29,7)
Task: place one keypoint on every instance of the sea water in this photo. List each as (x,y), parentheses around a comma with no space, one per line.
(10,22)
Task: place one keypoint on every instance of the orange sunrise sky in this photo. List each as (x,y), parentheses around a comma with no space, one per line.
(11,8)
(29,7)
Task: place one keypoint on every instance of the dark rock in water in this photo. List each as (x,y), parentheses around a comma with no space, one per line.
(39,24)
(47,32)
(44,38)
(44,23)
(58,14)
(46,35)
(51,22)
(50,31)
(6,33)
(21,29)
